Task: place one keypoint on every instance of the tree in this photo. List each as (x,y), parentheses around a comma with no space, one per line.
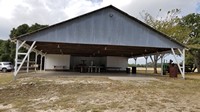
(24,28)
(192,21)
(7,48)
(6,51)
(35,27)
(168,25)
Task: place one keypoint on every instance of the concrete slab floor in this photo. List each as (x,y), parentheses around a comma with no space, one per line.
(112,76)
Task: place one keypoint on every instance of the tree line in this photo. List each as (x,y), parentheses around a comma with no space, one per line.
(7,48)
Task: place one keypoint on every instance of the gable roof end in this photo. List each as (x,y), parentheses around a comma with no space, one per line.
(93,12)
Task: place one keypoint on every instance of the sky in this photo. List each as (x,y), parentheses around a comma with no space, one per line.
(16,12)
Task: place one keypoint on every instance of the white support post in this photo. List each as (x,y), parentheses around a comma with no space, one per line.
(44,61)
(180,52)
(41,62)
(21,44)
(146,57)
(17,69)
(183,63)
(16,57)
(36,54)
(135,61)
(176,60)
(28,58)
(161,59)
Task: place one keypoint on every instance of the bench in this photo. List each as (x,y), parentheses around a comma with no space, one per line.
(113,68)
(59,67)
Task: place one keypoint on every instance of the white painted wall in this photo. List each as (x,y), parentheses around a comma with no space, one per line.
(113,61)
(52,60)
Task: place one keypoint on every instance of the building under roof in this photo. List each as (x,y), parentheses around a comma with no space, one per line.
(104,37)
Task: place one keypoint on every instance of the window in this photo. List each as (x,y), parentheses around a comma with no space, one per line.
(7,63)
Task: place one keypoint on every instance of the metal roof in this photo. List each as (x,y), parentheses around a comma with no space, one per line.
(108,26)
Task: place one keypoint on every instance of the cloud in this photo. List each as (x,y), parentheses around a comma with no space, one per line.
(153,6)
(5,27)
(39,11)
(30,12)
(16,12)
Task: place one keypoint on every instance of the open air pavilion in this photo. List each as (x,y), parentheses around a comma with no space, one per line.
(93,42)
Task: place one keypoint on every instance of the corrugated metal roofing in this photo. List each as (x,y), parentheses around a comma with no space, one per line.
(108,26)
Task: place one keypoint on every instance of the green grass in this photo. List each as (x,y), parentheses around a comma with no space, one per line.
(6,78)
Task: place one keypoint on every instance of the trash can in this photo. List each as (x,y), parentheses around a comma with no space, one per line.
(133,70)
(128,70)
(164,72)
(165,67)
(173,71)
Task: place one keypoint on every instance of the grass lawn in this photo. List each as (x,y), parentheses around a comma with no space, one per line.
(97,94)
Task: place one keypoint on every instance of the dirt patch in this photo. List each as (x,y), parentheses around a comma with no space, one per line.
(134,78)
(89,94)
(5,106)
